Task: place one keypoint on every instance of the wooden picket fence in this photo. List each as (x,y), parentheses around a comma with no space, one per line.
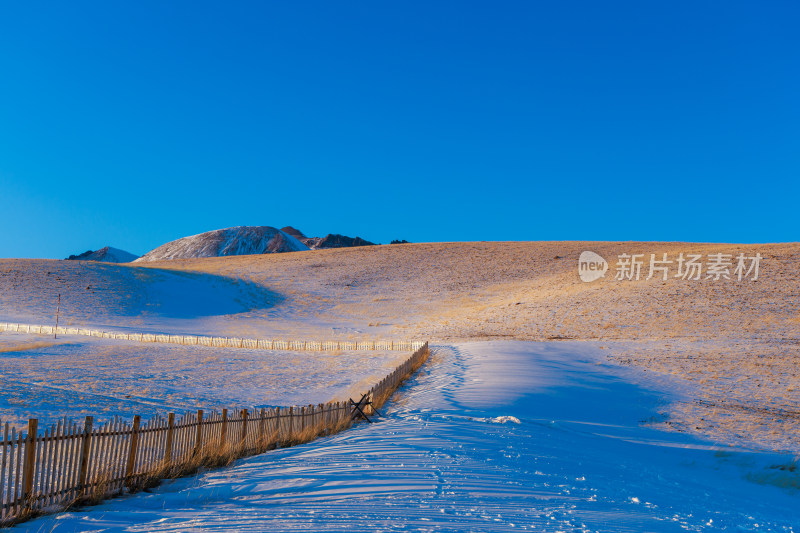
(220,342)
(68,463)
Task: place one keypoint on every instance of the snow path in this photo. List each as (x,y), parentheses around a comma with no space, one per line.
(449,456)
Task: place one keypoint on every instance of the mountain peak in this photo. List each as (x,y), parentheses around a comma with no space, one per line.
(294,232)
(107,254)
(239,240)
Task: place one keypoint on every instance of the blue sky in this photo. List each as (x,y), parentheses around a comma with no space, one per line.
(132,124)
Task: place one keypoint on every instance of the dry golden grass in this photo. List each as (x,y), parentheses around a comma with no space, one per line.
(458,291)
(738,339)
(450,292)
(211,455)
(381,399)
(8,345)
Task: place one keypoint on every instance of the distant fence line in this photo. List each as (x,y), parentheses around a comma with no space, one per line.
(69,464)
(222,342)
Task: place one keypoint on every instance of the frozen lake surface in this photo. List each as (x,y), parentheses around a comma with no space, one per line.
(497,436)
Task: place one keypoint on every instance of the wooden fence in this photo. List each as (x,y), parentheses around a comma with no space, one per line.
(68,463)
(222,342)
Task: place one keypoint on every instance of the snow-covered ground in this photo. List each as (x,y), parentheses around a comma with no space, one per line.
(590,447)
(76,376)
(496,436)
(156,300)
(735,342)
(122,297)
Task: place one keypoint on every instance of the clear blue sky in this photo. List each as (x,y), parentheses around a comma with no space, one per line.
(134,123)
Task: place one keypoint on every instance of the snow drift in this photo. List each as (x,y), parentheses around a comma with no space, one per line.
(241,240)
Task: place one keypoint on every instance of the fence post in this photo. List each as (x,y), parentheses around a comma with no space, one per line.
(244,426)
(198,439)
(261,428)
(137,420)
(170,428)
(30,459)
(87,438)
(224,427)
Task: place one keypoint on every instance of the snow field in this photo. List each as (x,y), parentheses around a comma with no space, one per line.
(78,376)
(449,455)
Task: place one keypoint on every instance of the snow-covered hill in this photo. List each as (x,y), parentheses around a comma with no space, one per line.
(105,255)
(241,240)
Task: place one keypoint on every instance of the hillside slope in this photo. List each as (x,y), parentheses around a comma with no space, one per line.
(735,342)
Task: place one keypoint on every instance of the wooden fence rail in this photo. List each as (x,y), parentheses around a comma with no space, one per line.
(221,342)
(69,463)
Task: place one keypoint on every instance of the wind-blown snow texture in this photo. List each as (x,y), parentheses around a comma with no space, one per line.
(241,240)
(450,456)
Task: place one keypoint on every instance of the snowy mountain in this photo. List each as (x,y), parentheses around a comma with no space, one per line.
(241,240)
(334,240)
(331,240)
(105,255)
